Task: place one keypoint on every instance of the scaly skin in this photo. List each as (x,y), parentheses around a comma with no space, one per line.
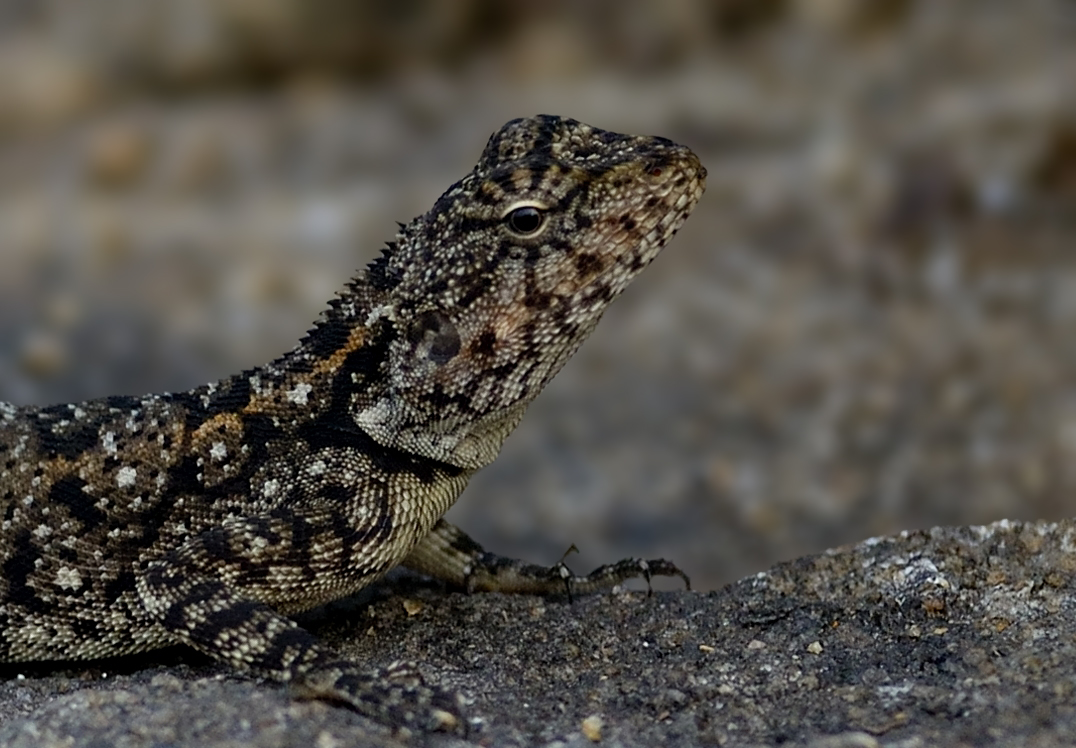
(206,517)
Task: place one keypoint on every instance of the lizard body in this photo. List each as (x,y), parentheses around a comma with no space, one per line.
(206,517)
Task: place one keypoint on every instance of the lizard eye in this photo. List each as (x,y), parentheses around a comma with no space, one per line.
(526,220)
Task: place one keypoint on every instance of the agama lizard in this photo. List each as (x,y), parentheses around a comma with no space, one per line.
(207,517)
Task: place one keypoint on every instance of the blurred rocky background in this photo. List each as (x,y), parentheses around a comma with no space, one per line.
(869,324)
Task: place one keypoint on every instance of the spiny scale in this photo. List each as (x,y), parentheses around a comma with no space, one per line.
(205,517)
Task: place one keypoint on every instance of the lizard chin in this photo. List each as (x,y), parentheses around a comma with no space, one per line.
(465,443)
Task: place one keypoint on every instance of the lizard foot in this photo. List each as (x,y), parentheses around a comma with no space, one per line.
(489,572)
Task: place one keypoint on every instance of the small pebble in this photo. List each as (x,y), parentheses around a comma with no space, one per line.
(592,728)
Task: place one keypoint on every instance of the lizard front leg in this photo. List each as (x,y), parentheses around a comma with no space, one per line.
(220,594)
(450,555)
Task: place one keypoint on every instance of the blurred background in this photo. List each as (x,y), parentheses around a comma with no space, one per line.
(869,324)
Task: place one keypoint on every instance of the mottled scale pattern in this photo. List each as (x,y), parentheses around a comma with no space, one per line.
(207,517)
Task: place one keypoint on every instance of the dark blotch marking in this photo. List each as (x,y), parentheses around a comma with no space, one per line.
(67,492)
(292,639)
(505,250)
(504,180)
(70,441)
(258,429)
(5,647)
(486,196)
(197,592)
(17,570)
(602,292)
(438,287)
(262,527)
(475,289)
(84,628)
(152,518)
(485,344)
(542,147)
(217,546)
(442,399)
(337,493)
(504,370)
(372,531)
(538,176)
(587,264)
(471,224)
(183,478)
(116,588)
(573,195)
(232,617)
(538,299)
(302,534)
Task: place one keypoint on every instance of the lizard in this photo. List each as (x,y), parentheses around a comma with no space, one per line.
(209,517)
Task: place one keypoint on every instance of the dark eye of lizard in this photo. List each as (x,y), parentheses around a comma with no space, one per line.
(525,221)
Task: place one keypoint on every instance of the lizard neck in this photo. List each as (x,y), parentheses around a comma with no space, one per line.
(336,388)
(356,369)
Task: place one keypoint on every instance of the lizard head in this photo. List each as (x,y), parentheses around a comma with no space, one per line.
(489,293)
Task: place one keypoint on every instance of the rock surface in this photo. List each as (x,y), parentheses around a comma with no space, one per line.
(954,636)
(866,321)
